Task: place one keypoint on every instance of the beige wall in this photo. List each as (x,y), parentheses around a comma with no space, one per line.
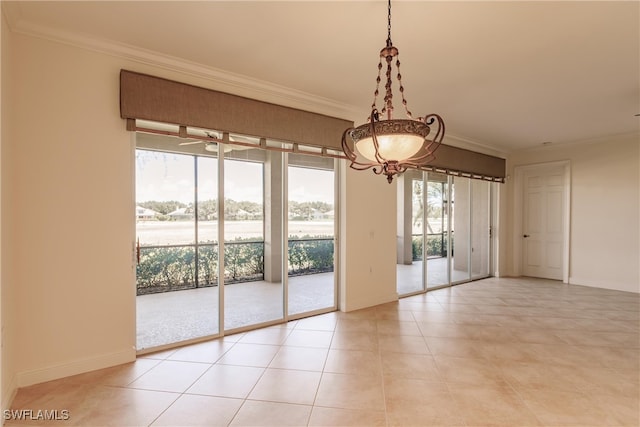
(605,209)
(69,202)
(3,41)
(7,289)
(368,239)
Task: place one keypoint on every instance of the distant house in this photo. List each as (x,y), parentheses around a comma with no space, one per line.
(323,215)
(145,214)
(243,215)
(180,214)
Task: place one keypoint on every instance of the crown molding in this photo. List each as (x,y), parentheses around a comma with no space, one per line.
(221,80)
(470,144)
(611,139)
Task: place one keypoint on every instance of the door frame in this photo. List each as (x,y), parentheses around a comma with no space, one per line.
(518,213)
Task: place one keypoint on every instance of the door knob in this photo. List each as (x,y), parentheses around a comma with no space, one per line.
(525,236)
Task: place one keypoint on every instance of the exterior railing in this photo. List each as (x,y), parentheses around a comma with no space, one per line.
(178,267)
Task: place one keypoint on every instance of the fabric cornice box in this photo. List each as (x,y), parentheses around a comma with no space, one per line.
(153,98)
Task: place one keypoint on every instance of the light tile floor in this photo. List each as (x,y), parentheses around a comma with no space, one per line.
(512,352)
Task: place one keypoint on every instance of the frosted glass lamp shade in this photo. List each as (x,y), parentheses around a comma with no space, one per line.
(397,139)
(395,147)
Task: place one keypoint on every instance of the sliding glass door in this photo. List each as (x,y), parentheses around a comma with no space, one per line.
(261,223)
(460,232)
(443,230)
(480,228)
(311,234)
(437,233)
(250,296)
(176,248)
(470,229)
(410,233)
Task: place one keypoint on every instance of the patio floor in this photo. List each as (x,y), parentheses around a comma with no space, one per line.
(171,317)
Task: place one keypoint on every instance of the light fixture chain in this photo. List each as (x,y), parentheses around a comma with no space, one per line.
(389,24)
(401,89)
(377,91)
(388,97)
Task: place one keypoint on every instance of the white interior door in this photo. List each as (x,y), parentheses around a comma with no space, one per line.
(543,222)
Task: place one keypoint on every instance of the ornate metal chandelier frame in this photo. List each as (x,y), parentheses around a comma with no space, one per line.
(375,127)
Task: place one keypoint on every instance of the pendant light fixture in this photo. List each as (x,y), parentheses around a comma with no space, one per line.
(389,145)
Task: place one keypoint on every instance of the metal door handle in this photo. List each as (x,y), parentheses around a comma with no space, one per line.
(525,236)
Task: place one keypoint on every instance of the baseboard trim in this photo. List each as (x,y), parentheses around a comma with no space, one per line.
(605,284)
(372,302)
(75,367)
(8,395)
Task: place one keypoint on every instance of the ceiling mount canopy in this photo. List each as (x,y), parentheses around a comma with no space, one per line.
(389,145)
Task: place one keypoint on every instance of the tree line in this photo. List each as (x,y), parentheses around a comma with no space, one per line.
(208,209)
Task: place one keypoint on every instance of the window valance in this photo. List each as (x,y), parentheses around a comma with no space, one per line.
(460,162)
(153,98)
(145,98)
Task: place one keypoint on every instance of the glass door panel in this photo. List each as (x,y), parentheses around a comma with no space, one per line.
(207,241)
(443,223)
(480,228)
(437,226)
(410,233)
(169,307)
(311,235)
(460,229)
(249,299)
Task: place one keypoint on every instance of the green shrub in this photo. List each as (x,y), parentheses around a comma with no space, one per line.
(163,269)
(243,261)
(436,246)
(310,254)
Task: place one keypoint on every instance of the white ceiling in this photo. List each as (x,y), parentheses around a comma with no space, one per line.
(505,75)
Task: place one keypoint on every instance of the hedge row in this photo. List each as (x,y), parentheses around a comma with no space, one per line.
(436,246)
(163,269)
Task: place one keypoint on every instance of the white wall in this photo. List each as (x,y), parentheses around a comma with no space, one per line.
(605,209)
